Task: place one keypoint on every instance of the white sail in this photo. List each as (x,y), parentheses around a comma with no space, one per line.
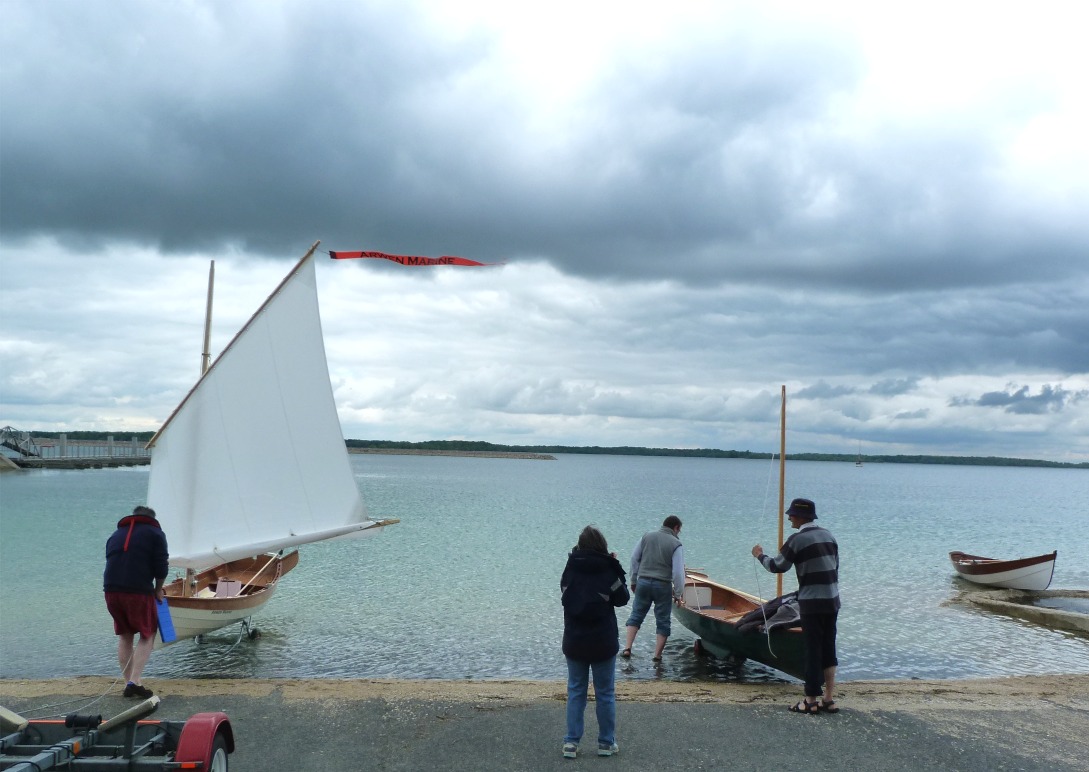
(253,459)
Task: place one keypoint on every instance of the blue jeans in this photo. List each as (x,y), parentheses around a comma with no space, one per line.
(659,593)
(604,694)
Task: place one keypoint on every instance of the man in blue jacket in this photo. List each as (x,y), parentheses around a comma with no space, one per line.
(136,568)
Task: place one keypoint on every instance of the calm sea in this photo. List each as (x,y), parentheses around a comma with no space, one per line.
(466,586)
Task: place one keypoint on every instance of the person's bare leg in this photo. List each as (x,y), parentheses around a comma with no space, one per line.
(125,653)
(140,656)
(632,631)
(829,683)
(659,645)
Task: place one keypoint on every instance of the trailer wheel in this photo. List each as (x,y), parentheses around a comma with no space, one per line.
(697,648)
(219,754)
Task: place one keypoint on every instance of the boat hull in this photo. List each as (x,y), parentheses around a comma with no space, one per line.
(225,594)
(711,611)
(1033,573)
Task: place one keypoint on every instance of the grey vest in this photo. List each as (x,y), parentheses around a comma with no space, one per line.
(656,560)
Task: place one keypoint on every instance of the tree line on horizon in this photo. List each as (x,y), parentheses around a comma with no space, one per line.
(627,450)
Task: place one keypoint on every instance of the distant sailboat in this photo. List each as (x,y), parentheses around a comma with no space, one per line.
(858,462)
(253,462)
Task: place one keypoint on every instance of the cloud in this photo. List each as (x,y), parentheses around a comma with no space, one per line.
(693,208)
(743,146)
(1051,399)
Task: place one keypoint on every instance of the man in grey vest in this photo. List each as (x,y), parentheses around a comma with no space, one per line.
(657,577)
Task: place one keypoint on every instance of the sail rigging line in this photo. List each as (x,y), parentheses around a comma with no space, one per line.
(756,569)
(782,505)
(763,612)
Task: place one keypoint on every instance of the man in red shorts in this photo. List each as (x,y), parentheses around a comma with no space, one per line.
(136,567)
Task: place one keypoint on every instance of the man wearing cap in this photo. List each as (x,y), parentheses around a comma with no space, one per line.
(136,568)
(815,556)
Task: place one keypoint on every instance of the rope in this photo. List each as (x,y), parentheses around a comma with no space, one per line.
(757,567)
(763,613)
(109,689)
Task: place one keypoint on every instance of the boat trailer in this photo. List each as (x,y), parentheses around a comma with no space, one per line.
(127,741)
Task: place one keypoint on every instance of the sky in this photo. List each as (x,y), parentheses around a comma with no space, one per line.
(882,207)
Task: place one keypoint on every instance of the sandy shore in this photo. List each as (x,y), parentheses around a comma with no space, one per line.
(1013,693)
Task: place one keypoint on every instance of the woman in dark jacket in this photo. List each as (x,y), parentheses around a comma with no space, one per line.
(593,583)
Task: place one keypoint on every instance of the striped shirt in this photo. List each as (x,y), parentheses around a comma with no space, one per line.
(815,556)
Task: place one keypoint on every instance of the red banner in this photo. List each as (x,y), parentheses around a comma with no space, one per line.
(407,259)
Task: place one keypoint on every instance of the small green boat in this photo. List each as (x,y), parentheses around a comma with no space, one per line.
(712,611)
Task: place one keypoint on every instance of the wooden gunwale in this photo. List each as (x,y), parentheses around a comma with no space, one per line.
(975,565)
(257,574)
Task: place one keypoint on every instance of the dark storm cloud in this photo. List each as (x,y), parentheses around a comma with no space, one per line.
(892,387)
(1021,400)
(823,390)
(719,159)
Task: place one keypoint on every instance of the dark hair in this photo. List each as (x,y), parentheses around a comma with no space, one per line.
(592,539)
(145,511)
(671,522)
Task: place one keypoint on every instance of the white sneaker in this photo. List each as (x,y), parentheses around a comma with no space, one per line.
(607,750)
(570,750)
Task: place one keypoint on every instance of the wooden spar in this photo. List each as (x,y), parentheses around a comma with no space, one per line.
(205,361)
(782,480)
(205,355)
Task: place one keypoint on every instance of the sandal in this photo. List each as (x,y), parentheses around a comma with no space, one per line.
(810,708)
(829,706)
(626,654)
(656,659)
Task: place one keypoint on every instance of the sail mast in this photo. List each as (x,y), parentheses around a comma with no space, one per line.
(205,355)
(782,480)
(205,362)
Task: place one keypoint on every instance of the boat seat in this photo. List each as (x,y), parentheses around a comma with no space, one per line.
(228,588)
(722,614)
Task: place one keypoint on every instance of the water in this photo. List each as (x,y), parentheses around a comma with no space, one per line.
(466,586)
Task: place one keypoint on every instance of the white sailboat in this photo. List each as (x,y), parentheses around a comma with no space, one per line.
(252,463)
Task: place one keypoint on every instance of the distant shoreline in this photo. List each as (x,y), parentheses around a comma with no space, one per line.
(491,450)
(473,453)
(481,449)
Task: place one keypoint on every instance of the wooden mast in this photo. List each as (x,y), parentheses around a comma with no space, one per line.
(782,480)
(205,363)
(205,355)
